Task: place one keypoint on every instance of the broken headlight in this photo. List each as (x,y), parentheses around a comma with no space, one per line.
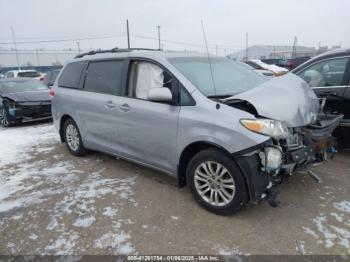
(274,128)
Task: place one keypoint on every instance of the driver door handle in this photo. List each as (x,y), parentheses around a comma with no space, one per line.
(125,107)
(110,105)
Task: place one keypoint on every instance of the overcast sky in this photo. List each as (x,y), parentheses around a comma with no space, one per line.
(272,22)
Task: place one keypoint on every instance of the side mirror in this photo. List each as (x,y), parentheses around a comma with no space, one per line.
(160,94)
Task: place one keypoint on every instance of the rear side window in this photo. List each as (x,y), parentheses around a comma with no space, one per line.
(28,74)
(71,75)
(104,77)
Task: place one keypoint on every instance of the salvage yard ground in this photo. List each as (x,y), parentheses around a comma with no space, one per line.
(54,203)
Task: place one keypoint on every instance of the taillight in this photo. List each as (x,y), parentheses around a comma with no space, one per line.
(52,93)
(41,78)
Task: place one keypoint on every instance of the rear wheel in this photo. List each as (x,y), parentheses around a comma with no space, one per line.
(73,138)
(216,182)
(4,118)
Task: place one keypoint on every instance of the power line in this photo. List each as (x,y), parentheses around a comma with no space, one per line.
(62,40)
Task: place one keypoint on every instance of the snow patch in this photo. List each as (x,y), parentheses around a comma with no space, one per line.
(229,251)
(63,245)
(343,206)
(118,242)
(84,221)
(33,236)
(110,212)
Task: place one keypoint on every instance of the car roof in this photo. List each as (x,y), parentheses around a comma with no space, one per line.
(330,54)
(141,53)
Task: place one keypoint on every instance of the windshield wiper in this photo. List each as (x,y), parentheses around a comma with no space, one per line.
(220,96)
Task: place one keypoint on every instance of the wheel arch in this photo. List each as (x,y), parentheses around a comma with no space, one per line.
(64,118)
(188,152)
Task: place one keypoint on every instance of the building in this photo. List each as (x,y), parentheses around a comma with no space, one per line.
(273,51)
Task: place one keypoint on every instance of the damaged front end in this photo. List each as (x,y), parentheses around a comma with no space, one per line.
(287,110)
(268,164)
(26,111)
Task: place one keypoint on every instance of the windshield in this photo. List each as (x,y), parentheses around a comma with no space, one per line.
(7,87)
(28,74)
(230,77)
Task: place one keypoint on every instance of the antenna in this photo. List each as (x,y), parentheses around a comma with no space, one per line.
(209,60)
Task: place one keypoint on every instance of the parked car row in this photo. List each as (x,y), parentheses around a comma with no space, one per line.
(47,78)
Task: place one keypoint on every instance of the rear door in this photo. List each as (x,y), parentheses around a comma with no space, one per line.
(89,92)
(98,104)
(148,130)
(329,79)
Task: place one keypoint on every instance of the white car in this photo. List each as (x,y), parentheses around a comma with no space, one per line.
(24,73)
(276,70)
(256,69)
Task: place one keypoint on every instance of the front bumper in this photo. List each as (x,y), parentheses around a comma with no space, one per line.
(265,166)
(29,111)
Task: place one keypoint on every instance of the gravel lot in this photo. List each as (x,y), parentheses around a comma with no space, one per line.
(55,203)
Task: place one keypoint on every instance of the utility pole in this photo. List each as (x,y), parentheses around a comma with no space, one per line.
(15,44)
(159,46)
(294,51)
(216,49)
(37,57)
(246,46)
(78,44)
(127,32)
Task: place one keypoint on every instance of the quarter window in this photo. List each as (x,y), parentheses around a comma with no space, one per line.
(326,73)
(71,75)
(104,77)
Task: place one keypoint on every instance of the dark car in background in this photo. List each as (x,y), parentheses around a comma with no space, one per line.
(50,77)
(296,61)
(23,100)
(275,61)
(329,75)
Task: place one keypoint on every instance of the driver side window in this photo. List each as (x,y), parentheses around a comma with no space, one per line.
(144,76)
(325,73)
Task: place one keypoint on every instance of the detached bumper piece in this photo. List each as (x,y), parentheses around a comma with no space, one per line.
(29,111)
(267,166)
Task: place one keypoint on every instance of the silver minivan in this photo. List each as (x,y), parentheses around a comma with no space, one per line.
(228,133)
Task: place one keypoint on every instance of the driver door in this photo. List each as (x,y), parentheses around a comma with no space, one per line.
(329,79)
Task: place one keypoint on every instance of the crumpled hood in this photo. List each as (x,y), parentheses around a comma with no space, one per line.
(29,96)
(286,98)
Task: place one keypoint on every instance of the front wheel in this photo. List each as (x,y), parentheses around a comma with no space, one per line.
(4,118)
(216,183)
(73,138)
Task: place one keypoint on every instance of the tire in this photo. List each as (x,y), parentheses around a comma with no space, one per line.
(73,138)
(4,118)
(227,183)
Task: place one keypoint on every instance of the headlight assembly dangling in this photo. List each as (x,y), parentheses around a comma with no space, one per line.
(269,127)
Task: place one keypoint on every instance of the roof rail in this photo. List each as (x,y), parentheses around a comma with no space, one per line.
(114,50)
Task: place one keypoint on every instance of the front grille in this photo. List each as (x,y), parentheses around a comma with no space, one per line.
(36,110)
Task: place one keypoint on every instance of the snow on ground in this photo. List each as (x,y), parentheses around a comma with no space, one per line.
(17,142)
(333,228)
(66,193)
(229,251)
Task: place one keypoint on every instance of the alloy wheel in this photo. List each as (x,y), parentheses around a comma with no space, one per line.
(72,137)
(214,183)
(3,117)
